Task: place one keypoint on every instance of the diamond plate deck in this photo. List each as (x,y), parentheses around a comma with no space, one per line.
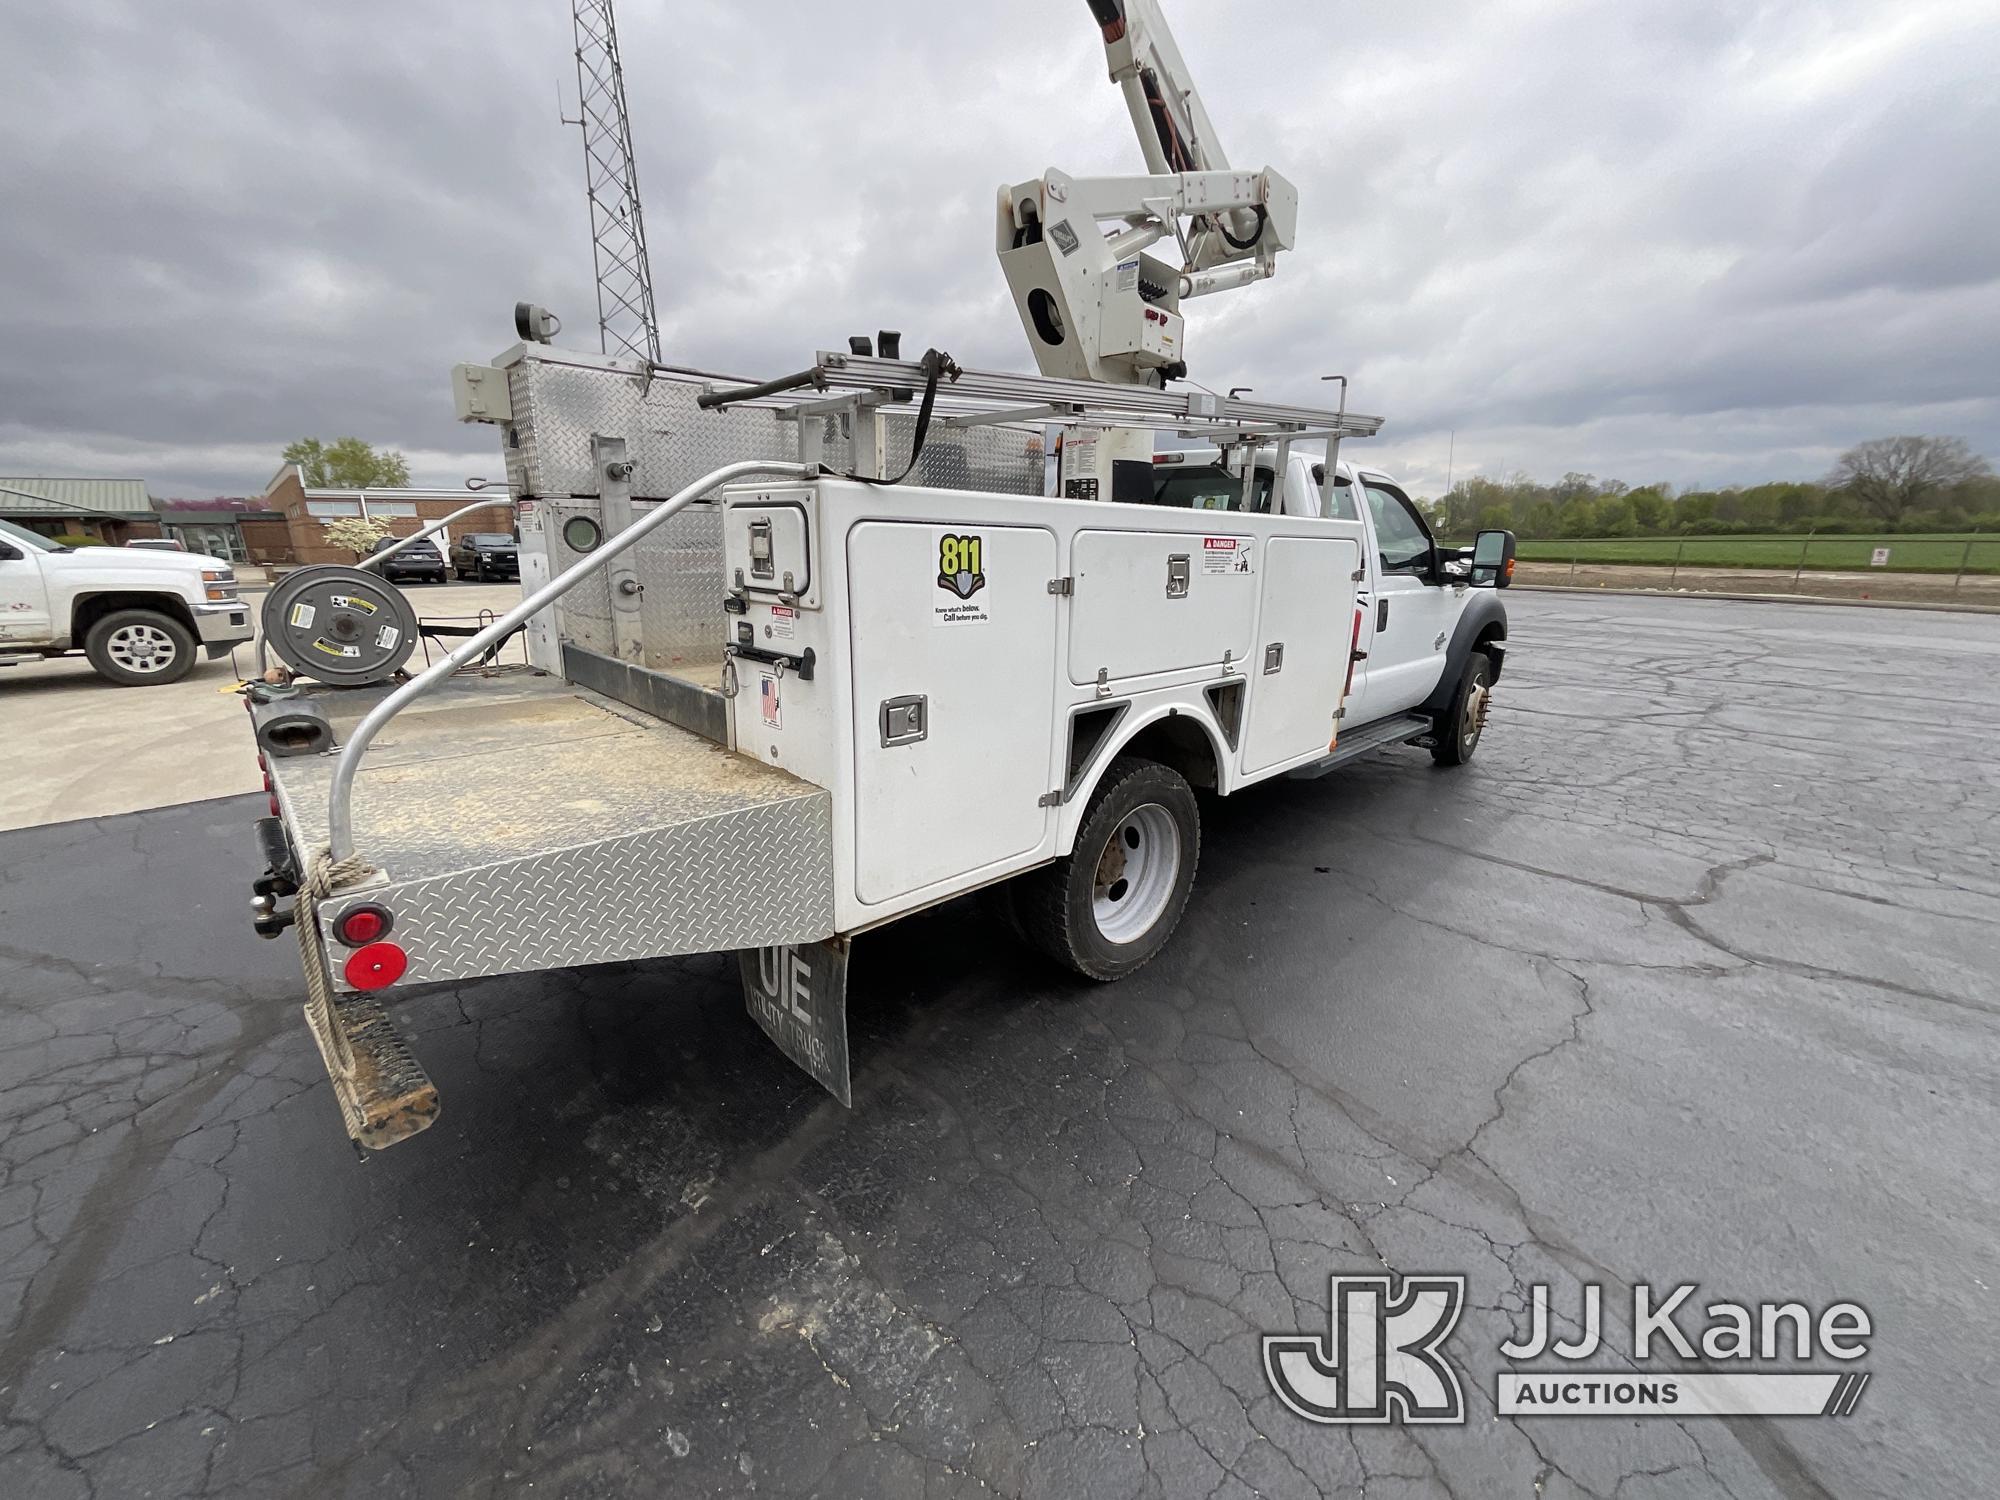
(523,825)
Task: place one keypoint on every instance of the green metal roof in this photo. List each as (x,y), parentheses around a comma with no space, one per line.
(73,497)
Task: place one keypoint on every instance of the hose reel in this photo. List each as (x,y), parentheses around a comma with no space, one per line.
(342,626)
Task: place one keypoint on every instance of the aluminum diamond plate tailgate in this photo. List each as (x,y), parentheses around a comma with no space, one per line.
(526,825)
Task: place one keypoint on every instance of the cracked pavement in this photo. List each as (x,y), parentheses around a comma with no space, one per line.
(1689,977)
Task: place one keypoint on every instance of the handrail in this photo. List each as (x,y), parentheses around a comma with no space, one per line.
(340,809)
(431,530)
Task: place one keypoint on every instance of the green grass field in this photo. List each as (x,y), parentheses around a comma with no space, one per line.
(1907,554)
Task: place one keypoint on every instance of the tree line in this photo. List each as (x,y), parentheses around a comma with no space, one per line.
(1898,484)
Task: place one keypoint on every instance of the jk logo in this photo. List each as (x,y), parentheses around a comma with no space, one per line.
(1378,1362)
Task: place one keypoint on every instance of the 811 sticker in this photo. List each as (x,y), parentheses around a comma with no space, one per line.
(961,580)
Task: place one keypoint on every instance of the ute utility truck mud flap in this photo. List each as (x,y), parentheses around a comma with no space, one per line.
(798,996)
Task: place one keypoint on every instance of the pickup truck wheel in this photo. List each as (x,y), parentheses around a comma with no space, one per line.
(1455,732)
(1108,907)
(139,648)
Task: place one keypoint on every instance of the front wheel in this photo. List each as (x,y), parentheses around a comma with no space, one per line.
(1455,732)
(1111,904)
(140,648)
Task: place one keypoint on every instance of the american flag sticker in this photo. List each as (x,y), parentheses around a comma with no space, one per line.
(767,696)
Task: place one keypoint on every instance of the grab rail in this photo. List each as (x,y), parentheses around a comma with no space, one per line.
(340,811)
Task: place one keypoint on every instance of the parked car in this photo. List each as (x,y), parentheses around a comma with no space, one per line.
(420,561)
(158,544)
(486,554)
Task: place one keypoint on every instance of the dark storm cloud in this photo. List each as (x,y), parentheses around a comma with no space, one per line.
(1698,241)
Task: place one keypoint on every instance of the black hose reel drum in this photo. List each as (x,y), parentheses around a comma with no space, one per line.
(342,626)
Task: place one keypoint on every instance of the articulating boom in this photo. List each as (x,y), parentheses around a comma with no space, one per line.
(1096,305)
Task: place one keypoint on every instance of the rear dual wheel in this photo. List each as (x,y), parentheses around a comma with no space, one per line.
(1109,907)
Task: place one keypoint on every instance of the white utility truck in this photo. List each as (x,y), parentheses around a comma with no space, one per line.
(139,616)
(813,654)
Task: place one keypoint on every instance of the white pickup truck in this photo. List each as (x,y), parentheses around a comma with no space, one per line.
(138,615)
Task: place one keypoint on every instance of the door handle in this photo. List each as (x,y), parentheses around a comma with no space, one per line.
(1381,614)
(905,720)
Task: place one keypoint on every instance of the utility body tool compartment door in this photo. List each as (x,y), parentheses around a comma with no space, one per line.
(24,598)
(768,546)
(1160,601)
(1304,630)
(953,634)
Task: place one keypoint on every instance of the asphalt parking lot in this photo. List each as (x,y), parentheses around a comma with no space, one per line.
(1690,977)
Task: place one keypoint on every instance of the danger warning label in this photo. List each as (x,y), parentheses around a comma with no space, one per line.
(1225,554)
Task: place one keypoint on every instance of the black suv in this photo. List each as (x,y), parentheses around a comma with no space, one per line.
(486,554)
(420,561)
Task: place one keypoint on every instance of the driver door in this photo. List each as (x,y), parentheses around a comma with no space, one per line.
(1413,616)
(24,595)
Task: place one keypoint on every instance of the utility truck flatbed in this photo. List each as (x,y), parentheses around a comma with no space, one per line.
(521,823)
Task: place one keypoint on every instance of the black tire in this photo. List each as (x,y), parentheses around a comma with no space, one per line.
(140,648)
(1138,802)
(1455,732)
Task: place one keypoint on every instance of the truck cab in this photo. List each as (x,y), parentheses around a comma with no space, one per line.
(1416,622)
(139,615)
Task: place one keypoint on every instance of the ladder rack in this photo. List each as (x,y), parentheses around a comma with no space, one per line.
(985,397)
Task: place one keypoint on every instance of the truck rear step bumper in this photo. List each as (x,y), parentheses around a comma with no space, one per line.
(384,1093)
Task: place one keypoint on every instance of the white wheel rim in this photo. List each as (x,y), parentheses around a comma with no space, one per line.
(144,649)
(1136,874)
(1475,715)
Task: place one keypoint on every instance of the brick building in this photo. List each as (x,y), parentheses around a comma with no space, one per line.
(288,532)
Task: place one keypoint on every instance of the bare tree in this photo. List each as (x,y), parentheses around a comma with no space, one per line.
(1891,475)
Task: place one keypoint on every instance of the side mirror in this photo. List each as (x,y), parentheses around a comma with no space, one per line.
(9,552)
(1493,559)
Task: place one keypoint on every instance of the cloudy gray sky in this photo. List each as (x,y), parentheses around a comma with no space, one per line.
(1692,240)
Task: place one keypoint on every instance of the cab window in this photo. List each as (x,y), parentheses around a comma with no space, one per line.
(1208,487)
(1401,542)
(1343,494)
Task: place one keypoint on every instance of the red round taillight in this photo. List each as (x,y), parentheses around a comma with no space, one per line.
(274,805)
(359,926)
(377,966)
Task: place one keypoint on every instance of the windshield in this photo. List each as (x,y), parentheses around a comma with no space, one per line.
(28,538)
(490,539)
